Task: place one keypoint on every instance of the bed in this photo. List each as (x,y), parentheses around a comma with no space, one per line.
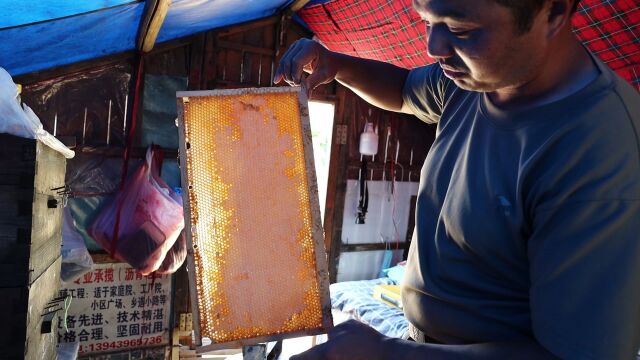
(354,300)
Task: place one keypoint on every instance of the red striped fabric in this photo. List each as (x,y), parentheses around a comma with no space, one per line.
(391,31)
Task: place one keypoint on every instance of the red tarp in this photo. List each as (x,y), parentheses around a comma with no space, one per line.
(391,31)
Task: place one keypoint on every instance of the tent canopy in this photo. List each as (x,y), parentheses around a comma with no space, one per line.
(37,35)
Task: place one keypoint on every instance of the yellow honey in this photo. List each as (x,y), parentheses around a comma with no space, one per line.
(254,251)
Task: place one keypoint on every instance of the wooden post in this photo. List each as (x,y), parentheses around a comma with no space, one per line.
(336,189)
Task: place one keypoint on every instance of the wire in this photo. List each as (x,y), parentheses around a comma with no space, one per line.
(67,305)
(393,203)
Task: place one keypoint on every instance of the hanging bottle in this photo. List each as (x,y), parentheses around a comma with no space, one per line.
(369,140)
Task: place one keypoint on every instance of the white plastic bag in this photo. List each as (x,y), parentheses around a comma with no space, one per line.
(23,122)
(68,351)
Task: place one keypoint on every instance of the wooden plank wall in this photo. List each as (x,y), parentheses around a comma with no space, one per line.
(408,136)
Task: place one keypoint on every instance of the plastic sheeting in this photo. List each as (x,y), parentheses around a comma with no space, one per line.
(32,11)
(89,106)
(159,111)
(58,42)
(186,17)
(37,35)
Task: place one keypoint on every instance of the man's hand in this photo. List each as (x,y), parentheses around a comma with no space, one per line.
(376,82)
(350,340)
(306,56)
(353,340)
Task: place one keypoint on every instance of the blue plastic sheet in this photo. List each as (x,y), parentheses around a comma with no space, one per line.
(186,17)
(45,45)
(21,12)
(37,35)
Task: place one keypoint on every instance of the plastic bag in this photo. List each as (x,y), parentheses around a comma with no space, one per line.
(68,351)
(23,122)
(178,253)
(151,219)
(76,259)
(175,257)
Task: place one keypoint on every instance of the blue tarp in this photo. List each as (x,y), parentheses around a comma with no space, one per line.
(24,12)
(37,35)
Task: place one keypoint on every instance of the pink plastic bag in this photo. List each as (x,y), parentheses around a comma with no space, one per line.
(175,257)
(178,253)
(151,219)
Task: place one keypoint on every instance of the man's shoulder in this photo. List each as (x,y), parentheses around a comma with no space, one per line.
(627,97)
(616,96)
(428,91)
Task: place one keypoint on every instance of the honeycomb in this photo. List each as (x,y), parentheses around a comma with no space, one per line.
(254,250)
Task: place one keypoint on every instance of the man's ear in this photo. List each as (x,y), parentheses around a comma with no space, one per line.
(559,15)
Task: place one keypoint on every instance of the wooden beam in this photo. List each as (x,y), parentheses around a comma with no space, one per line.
(247,26)
(152,18)
(210,64)
(298,4)
(117,152)
(370,247)
(191,265)
(336,189)
(379,166)
(231,84)
(243,47)
(196,67)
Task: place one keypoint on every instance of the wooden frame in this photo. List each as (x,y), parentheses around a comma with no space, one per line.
(316,225)
(337,187)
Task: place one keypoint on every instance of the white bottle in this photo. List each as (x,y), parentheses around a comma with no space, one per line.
(369,140)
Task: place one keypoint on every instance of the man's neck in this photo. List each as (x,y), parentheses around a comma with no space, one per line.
(568,69)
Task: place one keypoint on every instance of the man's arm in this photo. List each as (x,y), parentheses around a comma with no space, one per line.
(353,340)
(497,350)
(377,82)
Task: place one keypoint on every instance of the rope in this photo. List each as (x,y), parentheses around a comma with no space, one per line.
(125,163)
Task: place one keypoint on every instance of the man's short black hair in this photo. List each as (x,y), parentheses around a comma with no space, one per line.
(525,10)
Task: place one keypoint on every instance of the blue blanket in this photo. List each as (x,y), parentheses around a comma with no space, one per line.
(356,298)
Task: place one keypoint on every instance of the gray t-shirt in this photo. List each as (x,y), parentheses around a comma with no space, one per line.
(528,223)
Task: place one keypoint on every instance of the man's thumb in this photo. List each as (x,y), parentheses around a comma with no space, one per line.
(314,80)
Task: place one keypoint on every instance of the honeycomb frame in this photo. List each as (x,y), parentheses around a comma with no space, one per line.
(313,314)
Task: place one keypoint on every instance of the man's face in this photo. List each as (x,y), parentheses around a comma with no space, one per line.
(477,43)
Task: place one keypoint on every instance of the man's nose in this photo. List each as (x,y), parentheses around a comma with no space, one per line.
(438,43)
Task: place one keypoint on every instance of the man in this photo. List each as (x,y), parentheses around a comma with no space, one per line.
(527,237)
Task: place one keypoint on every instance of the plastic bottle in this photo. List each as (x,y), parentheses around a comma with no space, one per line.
(369,140)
